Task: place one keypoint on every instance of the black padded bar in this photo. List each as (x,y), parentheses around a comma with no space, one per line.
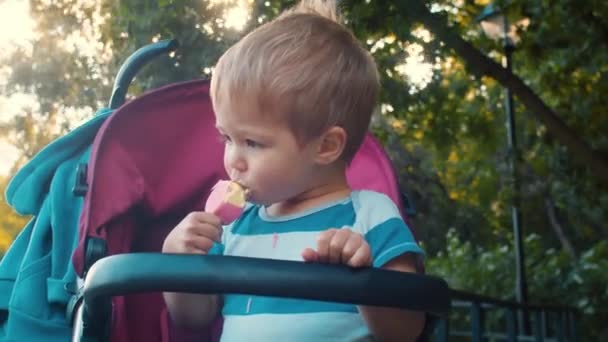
(152,272)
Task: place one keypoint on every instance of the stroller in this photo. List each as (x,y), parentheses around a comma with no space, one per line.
(152,161)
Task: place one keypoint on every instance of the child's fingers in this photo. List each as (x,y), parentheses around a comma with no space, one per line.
(193,226)
(351,246)
(208,231)
(205,217)
(323,245)
(362,257)
(199,244)
(336,245)
(310,255)
(194,234)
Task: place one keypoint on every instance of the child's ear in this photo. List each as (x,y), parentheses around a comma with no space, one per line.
(331,145)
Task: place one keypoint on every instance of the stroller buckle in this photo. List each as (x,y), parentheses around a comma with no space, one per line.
(80,185)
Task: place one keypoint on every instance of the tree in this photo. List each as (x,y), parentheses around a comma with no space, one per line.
(448,137)
(70,68)
(10,222)
(482,65)
(72,64)
(444,131)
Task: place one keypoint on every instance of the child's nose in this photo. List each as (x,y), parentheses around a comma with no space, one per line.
(239,165)
(236,161)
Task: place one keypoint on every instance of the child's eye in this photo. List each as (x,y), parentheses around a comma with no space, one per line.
(225,139)
(252,144)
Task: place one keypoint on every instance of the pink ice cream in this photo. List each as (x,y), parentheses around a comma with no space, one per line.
(227,201)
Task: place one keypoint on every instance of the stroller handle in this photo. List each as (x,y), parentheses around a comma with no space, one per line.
(133,64)
(153,272)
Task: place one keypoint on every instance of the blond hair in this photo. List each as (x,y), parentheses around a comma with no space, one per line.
(306,67)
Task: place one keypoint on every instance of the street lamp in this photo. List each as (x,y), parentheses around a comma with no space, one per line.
(496,26)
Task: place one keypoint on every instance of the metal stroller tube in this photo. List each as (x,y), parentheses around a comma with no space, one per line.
(154,272)
(133,64)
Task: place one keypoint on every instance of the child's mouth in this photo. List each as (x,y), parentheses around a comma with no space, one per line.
(245,188)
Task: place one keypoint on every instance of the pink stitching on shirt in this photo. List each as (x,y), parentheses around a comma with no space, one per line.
(275,239)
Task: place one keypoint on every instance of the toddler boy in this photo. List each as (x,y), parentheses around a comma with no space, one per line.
(293,101)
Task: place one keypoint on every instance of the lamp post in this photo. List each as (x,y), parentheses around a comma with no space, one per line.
(496,26)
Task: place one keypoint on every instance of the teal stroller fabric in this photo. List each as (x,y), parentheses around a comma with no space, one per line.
(37,278)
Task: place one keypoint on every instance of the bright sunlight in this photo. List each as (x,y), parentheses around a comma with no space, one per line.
(237,15)
(16,30)
(16,25)
(415,69)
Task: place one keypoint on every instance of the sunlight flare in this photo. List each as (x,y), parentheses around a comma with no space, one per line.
(237,14)
(16,25)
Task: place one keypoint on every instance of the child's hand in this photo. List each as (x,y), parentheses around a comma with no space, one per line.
(195,234)
(340,246)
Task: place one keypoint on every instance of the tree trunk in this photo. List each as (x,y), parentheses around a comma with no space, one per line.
(482,65)
(557,227)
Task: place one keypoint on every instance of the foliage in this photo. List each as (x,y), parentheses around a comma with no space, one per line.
(445,132)
(449,140)
(70,67)
(552,274)
(11,222)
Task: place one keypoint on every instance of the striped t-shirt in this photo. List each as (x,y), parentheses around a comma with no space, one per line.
(255,234)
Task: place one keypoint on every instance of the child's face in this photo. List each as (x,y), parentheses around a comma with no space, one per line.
(263,154)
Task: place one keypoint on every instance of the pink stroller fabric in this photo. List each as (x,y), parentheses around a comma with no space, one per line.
(371,169)
(153,161)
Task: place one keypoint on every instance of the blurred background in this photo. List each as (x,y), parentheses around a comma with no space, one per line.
(441,119)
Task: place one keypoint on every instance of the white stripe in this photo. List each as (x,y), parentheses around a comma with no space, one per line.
(372,208)
(318,327)
(283,246)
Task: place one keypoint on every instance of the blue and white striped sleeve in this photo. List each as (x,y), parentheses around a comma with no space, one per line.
(380,222)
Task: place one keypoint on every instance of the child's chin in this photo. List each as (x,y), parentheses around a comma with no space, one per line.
(258,201)
(251,198)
